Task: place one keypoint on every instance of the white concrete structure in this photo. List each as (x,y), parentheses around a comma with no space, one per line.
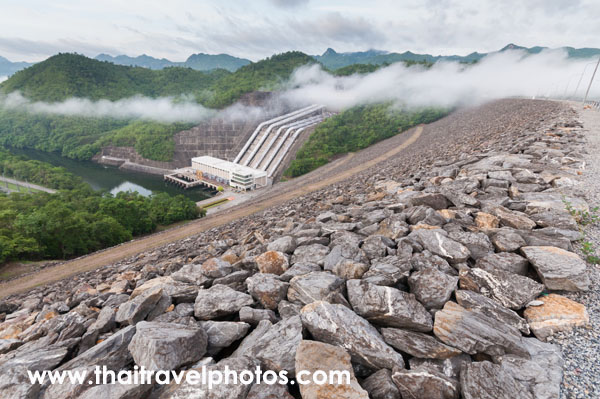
(230,173)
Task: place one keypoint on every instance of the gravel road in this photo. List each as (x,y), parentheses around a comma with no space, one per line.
(581,348)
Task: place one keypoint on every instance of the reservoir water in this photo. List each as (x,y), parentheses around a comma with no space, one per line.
(102,177)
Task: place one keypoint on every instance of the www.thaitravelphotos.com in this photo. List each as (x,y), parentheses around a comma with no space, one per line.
(211,378)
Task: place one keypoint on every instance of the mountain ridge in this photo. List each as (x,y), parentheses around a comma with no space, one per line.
(330,58)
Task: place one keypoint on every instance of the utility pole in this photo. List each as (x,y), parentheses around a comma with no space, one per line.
(590,85)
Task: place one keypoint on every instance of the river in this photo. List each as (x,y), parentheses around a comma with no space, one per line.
(102,177)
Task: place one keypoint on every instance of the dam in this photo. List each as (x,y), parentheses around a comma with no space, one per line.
(260,156)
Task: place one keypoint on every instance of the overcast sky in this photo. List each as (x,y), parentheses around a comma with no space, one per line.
(32,30)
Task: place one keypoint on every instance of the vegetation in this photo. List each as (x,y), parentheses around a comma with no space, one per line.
(76,220)
(355,129)
(71,75)
(267,74)
(585,218)
(44,174)
(82,137)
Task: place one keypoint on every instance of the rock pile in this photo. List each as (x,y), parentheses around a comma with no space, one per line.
(430,284)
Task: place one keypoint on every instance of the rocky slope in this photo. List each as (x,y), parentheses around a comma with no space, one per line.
(438,274)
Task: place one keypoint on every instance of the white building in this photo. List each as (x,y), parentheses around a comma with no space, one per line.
(233,174)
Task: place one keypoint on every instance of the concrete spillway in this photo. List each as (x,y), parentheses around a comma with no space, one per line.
(272,139)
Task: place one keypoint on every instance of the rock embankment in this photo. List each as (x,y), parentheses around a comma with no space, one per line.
(438,274)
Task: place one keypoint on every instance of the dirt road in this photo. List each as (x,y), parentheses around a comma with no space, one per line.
(329,174)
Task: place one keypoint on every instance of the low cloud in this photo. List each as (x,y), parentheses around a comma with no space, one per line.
(166,109)
(507,74)
(3,78)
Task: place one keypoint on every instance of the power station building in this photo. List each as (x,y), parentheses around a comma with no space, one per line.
(229,173)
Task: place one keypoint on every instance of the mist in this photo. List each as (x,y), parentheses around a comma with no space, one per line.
(446,84)
(165,109)
(506,74)
(3,78)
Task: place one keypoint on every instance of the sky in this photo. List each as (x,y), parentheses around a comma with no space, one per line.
(32,30)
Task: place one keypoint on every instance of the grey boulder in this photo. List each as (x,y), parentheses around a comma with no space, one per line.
(388,306)
(219,300)
(340,326)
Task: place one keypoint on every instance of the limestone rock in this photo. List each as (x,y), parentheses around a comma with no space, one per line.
(285,244)
(393,227)
(117,391)
(276,346)
(388,271)
(221,334)
(315,356)
(377,246)
(216,267)
(219,300)
(504,261)
(417,344)
(314,253)
(514,219)
(486,380)
(473,332)
(7,345)
(486,221)
(476,302)
(165,346)
(343,252)
(433,200)
(449,367)
(388,306)
(510,290)
(432,287)
(558,269)
(508,240)
(477,243)
(542,374)
(299,269)
(267,289)
(138,308)
(380,385)
(338,325)
(437,242)
(314,286)
(349,269)
(265,391)
(425,384)
(254,316)
(272,262)
(557,313)
(217,391)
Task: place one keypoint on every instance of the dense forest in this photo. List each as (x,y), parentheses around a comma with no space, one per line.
(71,75)
(76,220)
(355,129)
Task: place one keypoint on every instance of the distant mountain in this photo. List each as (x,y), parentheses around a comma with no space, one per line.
(143,60)
(585,52)
(334,60)
(199,62)
(206,62)
(7,68)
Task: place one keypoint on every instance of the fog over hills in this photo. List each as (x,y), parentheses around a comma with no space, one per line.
(330,59)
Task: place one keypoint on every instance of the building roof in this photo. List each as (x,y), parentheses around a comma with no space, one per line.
(230,166)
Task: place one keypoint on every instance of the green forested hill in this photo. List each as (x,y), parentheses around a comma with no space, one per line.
(262,75)
(71,75)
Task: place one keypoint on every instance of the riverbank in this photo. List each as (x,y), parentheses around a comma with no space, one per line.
(111,178)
